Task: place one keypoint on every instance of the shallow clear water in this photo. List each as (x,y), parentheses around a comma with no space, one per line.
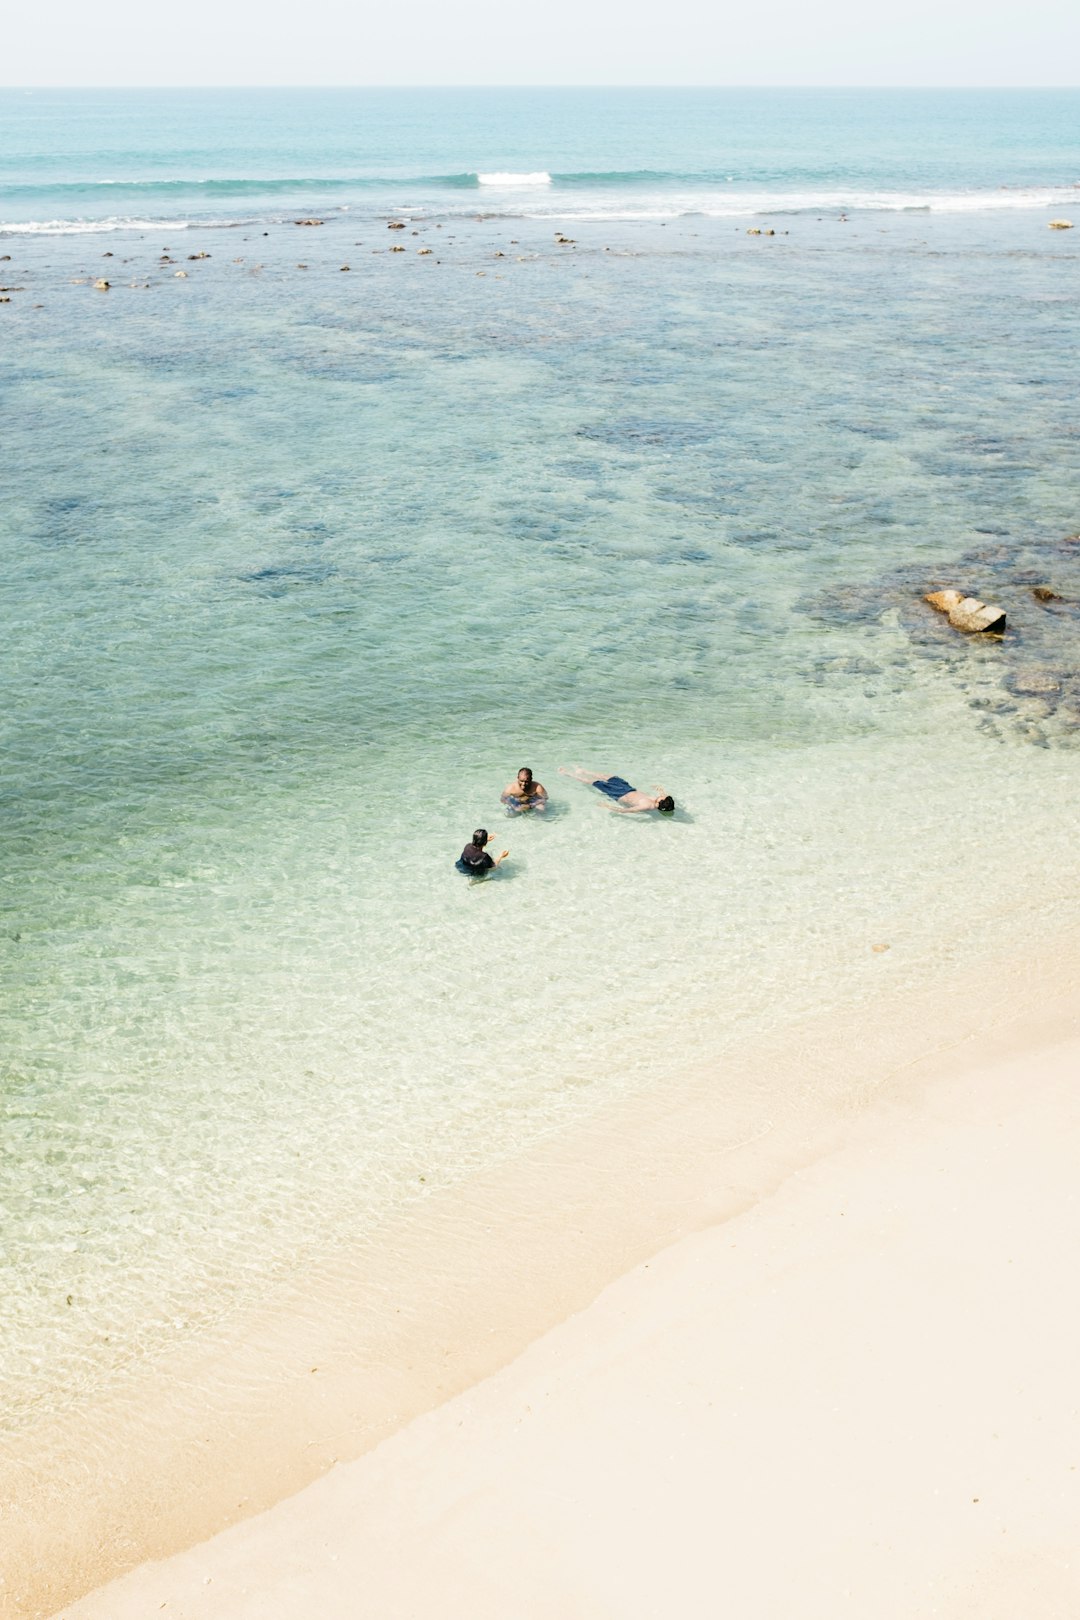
(300,565)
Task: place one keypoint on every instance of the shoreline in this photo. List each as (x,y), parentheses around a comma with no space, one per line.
(488,1269)
(871,1369)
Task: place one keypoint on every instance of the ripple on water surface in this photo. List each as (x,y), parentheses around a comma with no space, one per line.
(288,613)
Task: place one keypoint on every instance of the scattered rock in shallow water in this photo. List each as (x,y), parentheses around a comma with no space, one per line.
(307,221)
(345,267)
(1046,593)
(967,613)
(978,618)
(754,230)
(102,285)
(841,665)
(422,251)
(1061,225)
(180,275)
(198,255)
(944,601)
(395,225)
(1033,683)
(397,248)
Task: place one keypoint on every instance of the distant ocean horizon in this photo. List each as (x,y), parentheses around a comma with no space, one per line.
(363,446)
(74,161)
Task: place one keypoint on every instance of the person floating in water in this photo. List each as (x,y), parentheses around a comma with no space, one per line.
(627,801)
(474,860)
(524,794)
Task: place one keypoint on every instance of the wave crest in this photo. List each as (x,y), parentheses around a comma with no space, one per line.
(509,178)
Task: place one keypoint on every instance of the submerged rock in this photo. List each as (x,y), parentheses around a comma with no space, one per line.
(307,221)
(1061,225)
(1033,683)
(1046,593)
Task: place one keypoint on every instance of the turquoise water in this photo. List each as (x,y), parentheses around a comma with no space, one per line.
(301,563)
(69,158)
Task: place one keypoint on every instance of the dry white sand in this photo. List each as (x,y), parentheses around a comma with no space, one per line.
(859,1397)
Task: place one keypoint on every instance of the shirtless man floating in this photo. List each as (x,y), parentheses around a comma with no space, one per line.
(626,800)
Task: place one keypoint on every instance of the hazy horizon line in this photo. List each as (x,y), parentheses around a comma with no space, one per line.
(955,89)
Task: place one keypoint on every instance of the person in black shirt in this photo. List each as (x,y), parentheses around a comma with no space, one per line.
(474,860)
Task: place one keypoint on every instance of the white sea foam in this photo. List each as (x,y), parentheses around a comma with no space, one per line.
(86,227)
(647,205)
(507,178)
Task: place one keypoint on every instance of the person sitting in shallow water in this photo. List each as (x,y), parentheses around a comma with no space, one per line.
(626,800)
(474,860)
(524,794)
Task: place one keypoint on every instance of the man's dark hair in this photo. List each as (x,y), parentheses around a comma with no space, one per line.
(666,805)
(480,837)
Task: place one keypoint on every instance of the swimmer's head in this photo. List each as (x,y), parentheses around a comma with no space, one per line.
(480,837)
(666,806)
(524,777)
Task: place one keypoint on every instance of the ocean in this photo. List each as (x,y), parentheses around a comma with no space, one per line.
(635,446)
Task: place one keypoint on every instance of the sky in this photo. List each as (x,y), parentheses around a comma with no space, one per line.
(417,42)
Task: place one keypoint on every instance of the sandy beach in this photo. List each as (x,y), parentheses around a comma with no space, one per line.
(857,1395)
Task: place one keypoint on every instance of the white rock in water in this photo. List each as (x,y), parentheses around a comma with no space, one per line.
(967,612)
(975,616)
(944,601)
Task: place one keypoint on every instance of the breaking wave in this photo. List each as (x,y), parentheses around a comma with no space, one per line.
(508,178)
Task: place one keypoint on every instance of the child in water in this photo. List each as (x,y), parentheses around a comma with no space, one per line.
(474,860)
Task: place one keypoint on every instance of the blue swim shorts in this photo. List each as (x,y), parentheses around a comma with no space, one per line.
(613,786)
